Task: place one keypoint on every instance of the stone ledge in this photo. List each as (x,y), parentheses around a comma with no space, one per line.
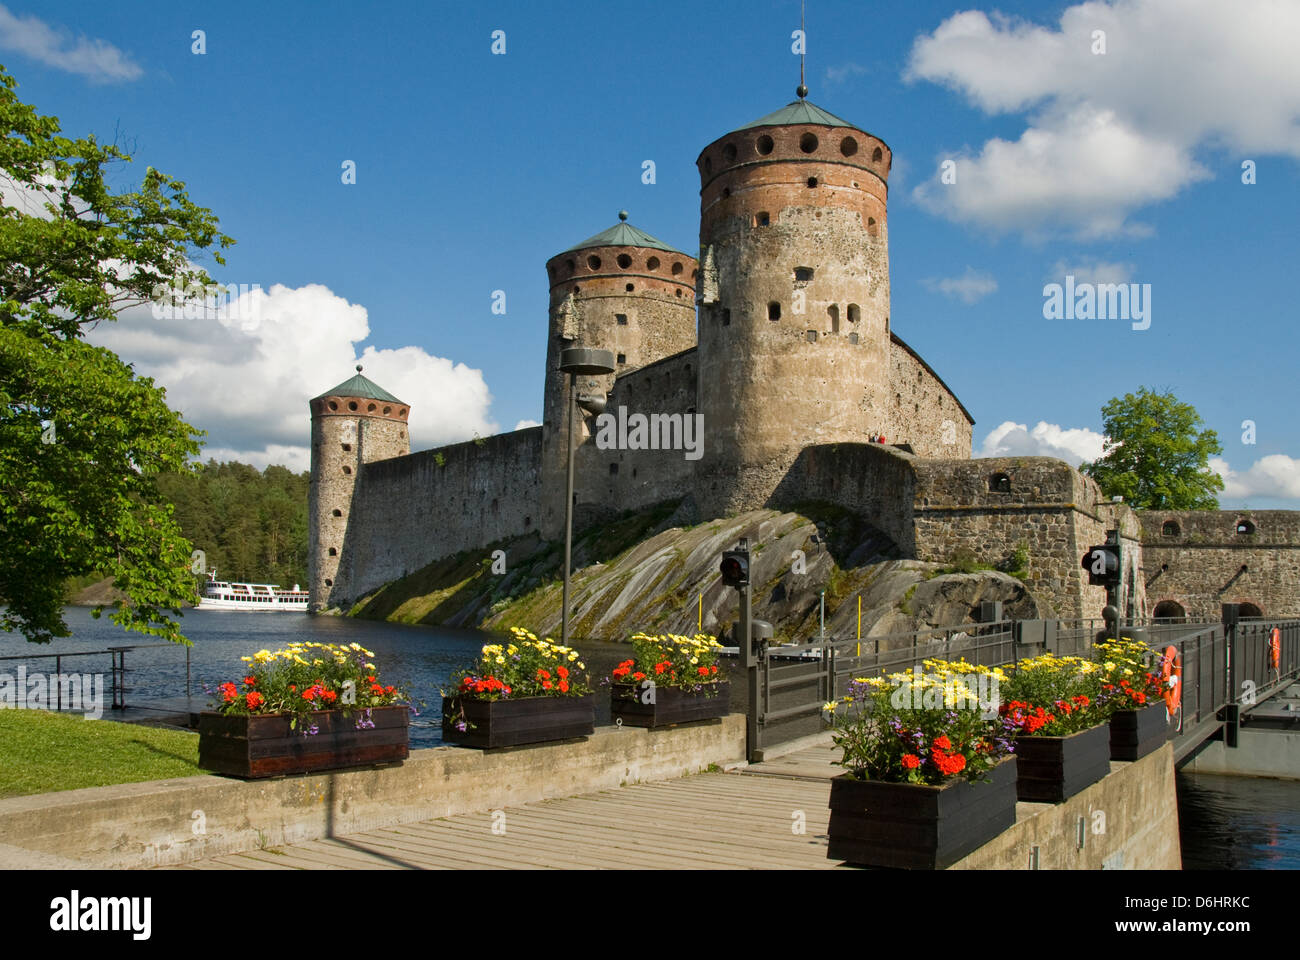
(168,822)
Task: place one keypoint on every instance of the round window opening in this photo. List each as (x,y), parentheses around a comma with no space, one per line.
(848,146)
(652,263)
(808,142)
(624,261)
(764,145)
(593,261)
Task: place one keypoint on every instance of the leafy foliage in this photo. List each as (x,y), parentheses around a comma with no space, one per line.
(1156,457)
(82,438)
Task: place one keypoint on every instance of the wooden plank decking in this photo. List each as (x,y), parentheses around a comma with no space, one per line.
(722,821)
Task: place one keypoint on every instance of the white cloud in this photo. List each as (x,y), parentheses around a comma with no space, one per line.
(968,288)
(1090,271)
(1276,475)
(247,381)
(525,424)
(96,60)
(837,75)
(1073,445)
(1108,134)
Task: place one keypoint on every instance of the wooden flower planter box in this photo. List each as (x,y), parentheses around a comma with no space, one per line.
(1052,769)
(509,723)
(1136,733)
(265,746)
(918,827)
(672,705)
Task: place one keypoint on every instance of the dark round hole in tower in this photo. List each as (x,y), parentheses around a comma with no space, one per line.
(387,410)
(652,263)
(677,268)
(708,164)
(848,146)
(729,153)
(352,404)
(334,551)
(808,142)
(726,192)
(370,408)
(764,145)
(338,513)
(679,292)
(628,288)
(347,448)
(593,261)
(877,155)
(812,181)
(571,264)
(329,582)
(334,405)
(347,471)
(402,412)
(624,261)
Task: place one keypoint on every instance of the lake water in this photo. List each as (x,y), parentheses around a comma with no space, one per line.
(419,659)
(1238,823)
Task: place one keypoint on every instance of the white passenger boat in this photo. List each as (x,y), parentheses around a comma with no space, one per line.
(255,597)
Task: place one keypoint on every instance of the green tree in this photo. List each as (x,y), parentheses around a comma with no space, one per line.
(82,438)
(1156,455)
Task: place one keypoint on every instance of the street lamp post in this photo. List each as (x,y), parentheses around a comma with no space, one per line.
(576,361)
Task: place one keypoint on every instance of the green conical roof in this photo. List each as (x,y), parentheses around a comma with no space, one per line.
(800,111)
(622,234)
(360,386)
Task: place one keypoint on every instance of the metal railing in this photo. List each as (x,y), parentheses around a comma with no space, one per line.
(117,668)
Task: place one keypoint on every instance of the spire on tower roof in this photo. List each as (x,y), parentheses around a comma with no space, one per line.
(359,386)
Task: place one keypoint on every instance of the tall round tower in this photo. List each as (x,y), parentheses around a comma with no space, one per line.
(355,423)
(622,291)
(794,294)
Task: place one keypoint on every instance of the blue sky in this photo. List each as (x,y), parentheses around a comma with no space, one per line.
(474,168)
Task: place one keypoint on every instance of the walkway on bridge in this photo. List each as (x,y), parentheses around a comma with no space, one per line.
(722,821)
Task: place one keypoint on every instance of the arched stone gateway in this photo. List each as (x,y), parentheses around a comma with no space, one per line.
(1169,610)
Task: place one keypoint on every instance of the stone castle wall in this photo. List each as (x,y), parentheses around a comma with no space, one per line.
(921,411)
(410,511)
(1194,558)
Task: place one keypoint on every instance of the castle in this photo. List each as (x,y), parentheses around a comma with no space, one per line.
(778,338)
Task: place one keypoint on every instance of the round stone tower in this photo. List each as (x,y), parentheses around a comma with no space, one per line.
(355,423)
(622,291)
(794,294)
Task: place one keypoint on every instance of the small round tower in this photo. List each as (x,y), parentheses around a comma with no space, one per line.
(622,291)
(356,422)
(794,297)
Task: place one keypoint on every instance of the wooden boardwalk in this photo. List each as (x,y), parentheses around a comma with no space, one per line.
(728,821)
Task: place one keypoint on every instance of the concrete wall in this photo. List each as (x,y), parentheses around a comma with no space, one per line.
(1136,806)
(151,824)
(1258,753)
(1197,565)
(412,510)
(922,412)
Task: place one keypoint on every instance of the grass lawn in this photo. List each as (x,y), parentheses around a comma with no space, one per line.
(41,752)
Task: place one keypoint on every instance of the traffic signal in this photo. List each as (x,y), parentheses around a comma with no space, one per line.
(735,568)
(1102,564)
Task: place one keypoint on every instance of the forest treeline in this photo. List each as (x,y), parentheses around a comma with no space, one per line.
(251,525)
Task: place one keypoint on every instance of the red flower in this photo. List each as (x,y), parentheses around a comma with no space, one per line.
(638,675)
(250,680)
(394,689)
(228,691)
(911,761)
(377,689)
(714,668)
(661,666)
(330,695)
(703,671)
(563,672)
(254,700)
(543,674)
(546,684)
(942,742)
(564,686)
(309,693)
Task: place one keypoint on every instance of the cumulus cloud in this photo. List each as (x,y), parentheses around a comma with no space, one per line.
(97,60)
(524,424)
(1073,445)
(1110,133)
(1090,271)
(246,379)
(968,288)
(1276,475)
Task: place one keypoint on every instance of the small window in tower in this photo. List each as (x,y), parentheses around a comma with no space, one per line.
(338,513)
(1000,483)
(848,146)
(613,469)
(352,404)
(871,227)
(726,192)
(571,264)
(387,410)
(347,471)
(370,408)
(853,338)
(708,164)
(677,268)
(729,153)
(652,263)
(726,317)
(808,142)
(1170,529)
(621,319)
(624,261)
(833,314)
(803,274)
(763,219)
(334,552)
(334,405)
(877,155)
(402,412)
(1245,527)
(812,336)
(764,145)
(812,181)
(774,311)
(593,262)
(329,582)
(855,314)
(622,358)
(628,288)
(528,522)
(679,292)
(347,448)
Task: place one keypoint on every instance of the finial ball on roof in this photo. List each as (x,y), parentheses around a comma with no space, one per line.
(622,214)
(801,91)
(358,368)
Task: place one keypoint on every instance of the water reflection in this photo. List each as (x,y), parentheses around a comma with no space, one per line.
(1238,823)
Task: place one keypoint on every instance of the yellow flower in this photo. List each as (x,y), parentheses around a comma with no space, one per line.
(829,707)
(247,659)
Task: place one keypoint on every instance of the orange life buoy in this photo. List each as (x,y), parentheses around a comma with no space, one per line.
(1275,649)
(1171,672)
